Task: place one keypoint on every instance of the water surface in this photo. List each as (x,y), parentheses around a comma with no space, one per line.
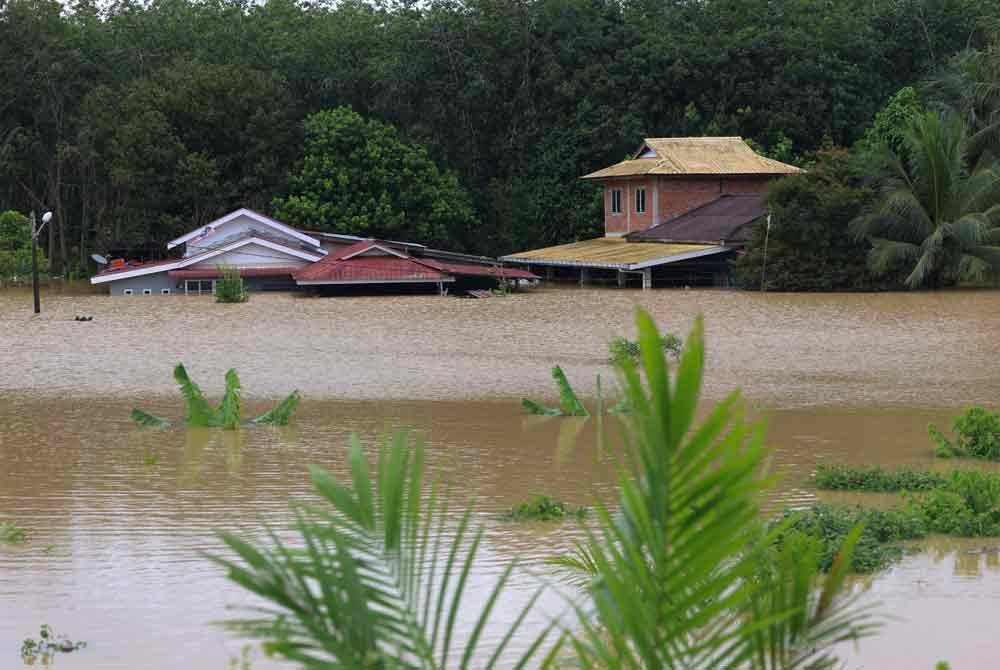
(118,514)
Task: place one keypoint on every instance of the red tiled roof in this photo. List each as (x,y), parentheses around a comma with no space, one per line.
(212,273)
(369,269)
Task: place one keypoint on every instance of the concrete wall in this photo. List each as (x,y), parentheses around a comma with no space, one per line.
(667,197)
(154,283)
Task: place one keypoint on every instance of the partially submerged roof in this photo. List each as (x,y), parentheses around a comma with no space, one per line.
(614,253)
(695,156)
(139,269)
(724,219)
(374,261)
(256,217)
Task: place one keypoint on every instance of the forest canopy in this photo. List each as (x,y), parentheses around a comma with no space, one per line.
(134,121)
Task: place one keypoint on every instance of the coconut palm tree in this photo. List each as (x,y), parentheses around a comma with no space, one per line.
(970,87)
(936,220)
(683,573)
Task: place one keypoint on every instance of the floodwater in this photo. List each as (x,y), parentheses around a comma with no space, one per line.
(118,515)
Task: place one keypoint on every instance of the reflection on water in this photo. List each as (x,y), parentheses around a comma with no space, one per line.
(118,514)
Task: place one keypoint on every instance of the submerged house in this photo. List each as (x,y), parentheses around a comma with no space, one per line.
(273,256)
(675,213)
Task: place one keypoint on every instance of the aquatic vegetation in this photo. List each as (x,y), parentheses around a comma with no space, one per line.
(543,508)
(978,436)
(844,478)
(47,645)
(622,349)
(230,287)
(569,402)
(379,571)
(876,548)
(965,503)
(11,533)
(229,413)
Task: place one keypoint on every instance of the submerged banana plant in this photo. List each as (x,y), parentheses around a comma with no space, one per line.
(229,413)
(569,402)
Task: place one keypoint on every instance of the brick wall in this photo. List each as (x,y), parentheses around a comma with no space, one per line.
(673,197)
(629,220)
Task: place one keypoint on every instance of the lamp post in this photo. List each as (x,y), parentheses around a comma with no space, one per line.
(46,217)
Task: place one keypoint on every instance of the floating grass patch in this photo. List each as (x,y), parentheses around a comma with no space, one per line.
(875,479)
(977,435)
(11,533)
(227,415)
(47,645)
(964,503)
(543,508)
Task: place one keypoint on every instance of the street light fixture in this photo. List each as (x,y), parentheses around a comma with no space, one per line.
(46,217)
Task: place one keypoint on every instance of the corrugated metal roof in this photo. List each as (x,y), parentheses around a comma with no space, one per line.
(723,219)
(695,156)
(363,269)
(467,269)
(212,273)
(614,253)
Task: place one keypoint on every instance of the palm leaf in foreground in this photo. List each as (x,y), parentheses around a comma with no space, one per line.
(678,574)
(378,578)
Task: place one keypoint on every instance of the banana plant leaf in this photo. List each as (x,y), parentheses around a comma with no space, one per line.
(230,409)
(532,407)
(282,414)
(568,399)
(199,412)
(147,419)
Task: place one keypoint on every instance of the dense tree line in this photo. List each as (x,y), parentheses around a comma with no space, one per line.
(136,121)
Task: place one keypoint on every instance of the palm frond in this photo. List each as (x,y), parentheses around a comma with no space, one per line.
(568,400)
(282,414)
(147,419)
(381,579)
(676,584)
(199,412)
(230,410)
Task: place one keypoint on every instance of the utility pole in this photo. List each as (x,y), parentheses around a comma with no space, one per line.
(763,266)
(46,217)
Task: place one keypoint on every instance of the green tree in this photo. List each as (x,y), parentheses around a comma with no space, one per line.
(15,247)
(358,177)
(810,246)
(934,216)
(888,130)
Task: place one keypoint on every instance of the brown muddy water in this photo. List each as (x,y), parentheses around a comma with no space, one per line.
(117,515)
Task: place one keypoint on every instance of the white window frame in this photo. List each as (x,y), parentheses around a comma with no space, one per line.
(198,291)
(164,291)
(640,200)
(127,291)
(616,201)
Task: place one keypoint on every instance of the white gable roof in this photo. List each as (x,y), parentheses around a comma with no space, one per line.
(250,214)
(202,257)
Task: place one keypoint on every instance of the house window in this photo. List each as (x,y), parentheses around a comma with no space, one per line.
(126,291)
(164,291)
(640,200)
(199,287)
(616,201)
(147,291)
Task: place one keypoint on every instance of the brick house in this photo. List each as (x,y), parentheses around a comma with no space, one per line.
(686,202)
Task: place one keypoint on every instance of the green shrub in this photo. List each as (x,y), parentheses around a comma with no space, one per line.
(978,436)
(622,349)
(877,547)
(845,478)
(543,508)
(230,287)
